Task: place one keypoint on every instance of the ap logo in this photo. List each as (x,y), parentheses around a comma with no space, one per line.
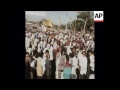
(98,16)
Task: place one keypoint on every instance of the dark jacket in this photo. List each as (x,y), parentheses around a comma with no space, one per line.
(48,67)
(27,70)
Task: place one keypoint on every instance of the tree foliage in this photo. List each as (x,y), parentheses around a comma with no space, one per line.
(40,23)
(33,22)
(81,18)
(86,15)
(69,25)
(56,26)
(62,27)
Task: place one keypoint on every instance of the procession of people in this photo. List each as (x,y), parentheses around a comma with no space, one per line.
(59,54)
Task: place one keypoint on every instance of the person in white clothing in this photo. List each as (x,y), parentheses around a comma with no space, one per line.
(92,45)
(35,42)
(92,76)
(69,49)
(39,63)
(74,76)
(39,47)
(32,39)
(83,64)
(58,57)
(92,64)
(27,41)
(75,62)
(29,50)
(48,45)
(46,48)
(80,54)
(44,43)
(55,46)
(52,41)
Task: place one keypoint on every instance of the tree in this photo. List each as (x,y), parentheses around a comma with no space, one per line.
(62,27)
(40,23)
(87,18)
(56,26)
(69,25)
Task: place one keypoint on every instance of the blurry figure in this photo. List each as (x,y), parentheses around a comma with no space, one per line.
(83,64)
(58,57)
(67,72)
(39,66)
(27,66)
(29,50)
(27,42)
(62,62)
(48,66)
(92,76)
(92,61)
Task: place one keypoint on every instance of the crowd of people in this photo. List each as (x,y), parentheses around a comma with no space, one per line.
(57,54)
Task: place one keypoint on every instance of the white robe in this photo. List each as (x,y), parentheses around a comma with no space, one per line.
(92,64)
(51,53)
(75,62)
(44,44)
(35,42)
(58,56)
(39,48)
(27,41)
(68,49)
(55,46)
(83,64)
(80,56)
(29,50)
(92,76)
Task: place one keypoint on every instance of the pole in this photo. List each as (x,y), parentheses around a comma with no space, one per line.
(75,24)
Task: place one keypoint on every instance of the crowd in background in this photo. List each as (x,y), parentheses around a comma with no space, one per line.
(57,54)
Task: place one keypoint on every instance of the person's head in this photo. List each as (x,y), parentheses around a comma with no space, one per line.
(71,55)
(63,51)
(40,54)
(81,49)
(27,57)
(47,53)
(77,50)
(84,53)
(51,44)
(91,53)
(76,55)
(73,50)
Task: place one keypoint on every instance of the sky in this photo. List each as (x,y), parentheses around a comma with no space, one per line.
(65,16)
